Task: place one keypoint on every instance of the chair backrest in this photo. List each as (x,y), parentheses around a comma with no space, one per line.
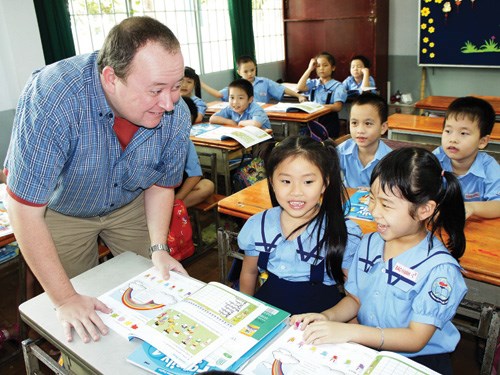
(317,131)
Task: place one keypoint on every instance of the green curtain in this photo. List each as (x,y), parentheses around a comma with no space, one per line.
(240,17)
(55,29)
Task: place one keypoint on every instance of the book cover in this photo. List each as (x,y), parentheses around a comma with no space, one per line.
(359,206)
(288,354)
(309,107)
(247,136)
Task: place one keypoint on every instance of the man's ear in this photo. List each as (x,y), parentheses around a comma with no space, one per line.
(426,210)
(483,142)
(108,79)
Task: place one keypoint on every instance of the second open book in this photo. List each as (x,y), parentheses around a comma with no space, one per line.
(247,136)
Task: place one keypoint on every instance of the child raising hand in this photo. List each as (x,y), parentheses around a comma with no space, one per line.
(304,242)
(404,284)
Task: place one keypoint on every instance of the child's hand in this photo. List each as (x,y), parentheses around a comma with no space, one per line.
(365,71)
(312,64)
(302,98)
(302,320)
(326,332)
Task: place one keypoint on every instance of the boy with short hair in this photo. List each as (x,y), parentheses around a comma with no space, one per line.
(242,111)
(360,154)
(467,127)
(264,88)
(360,79)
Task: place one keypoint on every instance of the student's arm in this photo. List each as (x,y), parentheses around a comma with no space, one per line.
(252,122)
(335,107)
(214,119)
(300,97)
(301,85)
(73,310)
(248,275)
(199,118)
(486,209)
(211,90)
(366,78)
(158,202)
(187,186)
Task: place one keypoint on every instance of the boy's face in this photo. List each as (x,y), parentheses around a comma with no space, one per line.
(247,71)
(461,139)
(356,68)
(239,100)
(366,126)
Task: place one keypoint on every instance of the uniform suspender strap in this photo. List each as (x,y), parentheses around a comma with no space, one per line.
(328,97)
(317,272)
(313,91)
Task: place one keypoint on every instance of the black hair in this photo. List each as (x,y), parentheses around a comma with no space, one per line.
(363,59)
(191,73)
(193,109)
(328,56)
(331,211)
(244,85)
(244,59)
(375,100)
(476,109)
(416,174)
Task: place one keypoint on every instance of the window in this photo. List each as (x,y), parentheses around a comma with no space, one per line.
(268,30)
(202,27)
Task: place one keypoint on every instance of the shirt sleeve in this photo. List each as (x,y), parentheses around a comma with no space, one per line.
(492,181)
(440,295)
(275,90)
(247,237)
(354,235)
(193,168)
(258,114)
(225,94)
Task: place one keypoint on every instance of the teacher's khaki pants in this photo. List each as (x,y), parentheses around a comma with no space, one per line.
(124,229)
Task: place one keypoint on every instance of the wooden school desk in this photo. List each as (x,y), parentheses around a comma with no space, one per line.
(439,104)
(425,129)
(481,262)
(283,124)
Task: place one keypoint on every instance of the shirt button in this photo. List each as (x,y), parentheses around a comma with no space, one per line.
(111,205)
(100,114)
(110,115)
(115,184)
(282,267)
(377,294)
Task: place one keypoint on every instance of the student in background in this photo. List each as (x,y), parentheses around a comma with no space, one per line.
(264,89)
(242,111)
(360,79)
(404,284)
(360,154)
(194,188)
(324,90)
(191,87)
(467,127)
(304,242)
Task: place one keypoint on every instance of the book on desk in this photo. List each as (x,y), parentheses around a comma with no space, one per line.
(247,136)
(307,107)
(188,325)
(358,206)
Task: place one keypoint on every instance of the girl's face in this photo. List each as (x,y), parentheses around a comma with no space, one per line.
(324,69)
(187,87)
(298,185)
(391,212)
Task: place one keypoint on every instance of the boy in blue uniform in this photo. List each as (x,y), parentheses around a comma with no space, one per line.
(324,90)
(264,89)
(467,128)
(360,154)
(242,111)
(360,79)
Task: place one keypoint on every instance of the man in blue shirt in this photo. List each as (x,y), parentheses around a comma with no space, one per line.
(98,146)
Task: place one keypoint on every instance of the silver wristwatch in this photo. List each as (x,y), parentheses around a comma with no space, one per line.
(158,247)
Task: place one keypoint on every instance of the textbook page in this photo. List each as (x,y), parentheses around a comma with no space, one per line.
(247,136)
(309,107)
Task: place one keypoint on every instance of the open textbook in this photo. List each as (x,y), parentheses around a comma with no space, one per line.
(190,321)
(246,135)
(289,355)
(309,107)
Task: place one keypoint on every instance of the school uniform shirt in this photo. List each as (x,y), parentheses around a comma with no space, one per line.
(354,89)
(419,285)
(264,89)
(353,173)
(482,180)
(253,112)
(192,168)
(291,259)
(321,91)
(200,105)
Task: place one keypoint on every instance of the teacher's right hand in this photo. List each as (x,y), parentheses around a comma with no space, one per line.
(79,312)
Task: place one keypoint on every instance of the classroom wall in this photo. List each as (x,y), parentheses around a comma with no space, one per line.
(21,52)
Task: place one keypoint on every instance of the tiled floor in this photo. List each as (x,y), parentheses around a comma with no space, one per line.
(206,269)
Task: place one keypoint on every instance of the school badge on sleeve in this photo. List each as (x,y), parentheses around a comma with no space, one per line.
(440,290)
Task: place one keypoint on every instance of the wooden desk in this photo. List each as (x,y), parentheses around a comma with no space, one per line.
(481,263)
(224,151)
(439,104)
(425,129)
(283,124)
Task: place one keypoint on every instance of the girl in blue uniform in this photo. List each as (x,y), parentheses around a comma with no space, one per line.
(191,87)
(324,90)
(404,285)
(304,242)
